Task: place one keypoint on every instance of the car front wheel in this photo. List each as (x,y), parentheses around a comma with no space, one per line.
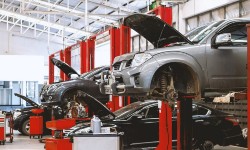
(207,145)
(25,128)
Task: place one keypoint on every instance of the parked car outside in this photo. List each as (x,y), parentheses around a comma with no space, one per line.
(59,94)
(212,63)
(139,122)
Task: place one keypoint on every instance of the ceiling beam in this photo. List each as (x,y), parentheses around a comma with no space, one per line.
(70,11)
(57,13)
(113,7)
(43,22)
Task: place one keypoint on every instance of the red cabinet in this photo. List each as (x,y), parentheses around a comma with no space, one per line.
(2,134)
(36,125)
(58,144)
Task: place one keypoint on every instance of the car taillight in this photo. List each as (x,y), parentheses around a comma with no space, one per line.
(235,121)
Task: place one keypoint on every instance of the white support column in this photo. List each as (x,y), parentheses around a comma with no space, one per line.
(48,44)
(86,15)
(7,23)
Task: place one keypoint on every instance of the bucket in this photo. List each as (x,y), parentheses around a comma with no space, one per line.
(95,124)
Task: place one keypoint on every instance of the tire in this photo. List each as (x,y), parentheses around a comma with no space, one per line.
(25,127)
(206,145)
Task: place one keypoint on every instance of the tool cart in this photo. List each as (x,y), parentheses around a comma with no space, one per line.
(5,118)
(2,129)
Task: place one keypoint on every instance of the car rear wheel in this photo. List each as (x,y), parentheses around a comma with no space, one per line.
(207,145)
(26,127)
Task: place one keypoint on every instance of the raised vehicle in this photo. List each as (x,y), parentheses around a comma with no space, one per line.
(63,92)
(59,94)
(212,63)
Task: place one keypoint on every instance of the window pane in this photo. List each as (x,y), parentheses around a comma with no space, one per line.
(153,112)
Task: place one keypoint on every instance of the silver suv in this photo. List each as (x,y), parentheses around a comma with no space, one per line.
(213,62)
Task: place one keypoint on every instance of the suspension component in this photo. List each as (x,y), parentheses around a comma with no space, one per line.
(166,90)
(163,82)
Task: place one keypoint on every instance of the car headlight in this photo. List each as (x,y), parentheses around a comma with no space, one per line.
(16,114)
(140,59)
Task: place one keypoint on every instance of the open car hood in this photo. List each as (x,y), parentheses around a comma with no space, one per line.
(155,30)
(32,103)
(64,67)
(98,108)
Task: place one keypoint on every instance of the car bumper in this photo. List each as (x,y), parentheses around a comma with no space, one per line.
(233,137)
(234,140)
(131,81)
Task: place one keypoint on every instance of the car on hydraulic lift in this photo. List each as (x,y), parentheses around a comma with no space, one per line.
(212,63)
(59,94)
(139,125)
(63,92)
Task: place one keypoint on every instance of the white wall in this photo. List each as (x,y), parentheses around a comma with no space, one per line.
(102,54)
(14,43)
(21,68)
(193,8)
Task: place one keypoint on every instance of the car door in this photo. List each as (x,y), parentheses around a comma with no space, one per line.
(146,127)
(203,123)
(199,116)
(226,65)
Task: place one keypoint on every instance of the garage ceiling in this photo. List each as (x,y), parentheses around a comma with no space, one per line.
(72,19)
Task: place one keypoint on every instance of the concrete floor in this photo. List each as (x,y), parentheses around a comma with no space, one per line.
(22,143)
(25,143)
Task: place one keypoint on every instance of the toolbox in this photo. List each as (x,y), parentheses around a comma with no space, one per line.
(2,129)
(58,142)
(36,123)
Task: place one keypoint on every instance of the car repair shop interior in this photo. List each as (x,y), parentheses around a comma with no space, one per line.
(124,74)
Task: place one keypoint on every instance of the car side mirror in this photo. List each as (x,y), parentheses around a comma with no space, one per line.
(223,39)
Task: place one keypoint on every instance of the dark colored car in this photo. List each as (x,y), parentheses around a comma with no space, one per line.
(212,63)
(59,94)
(22,116)
(140,123)
(63,92)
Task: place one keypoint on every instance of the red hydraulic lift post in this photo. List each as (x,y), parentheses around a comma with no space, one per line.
(165,113)
(120,43)
(51,70)
(87,55)
(62,59)
(248,83)
(83,47)
(125,47)
(87,58)
(67,59)
(91,53)
(114,51)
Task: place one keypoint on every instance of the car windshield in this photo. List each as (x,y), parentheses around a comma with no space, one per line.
(130,109)
(203,33)
(192,33)
(89,74)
